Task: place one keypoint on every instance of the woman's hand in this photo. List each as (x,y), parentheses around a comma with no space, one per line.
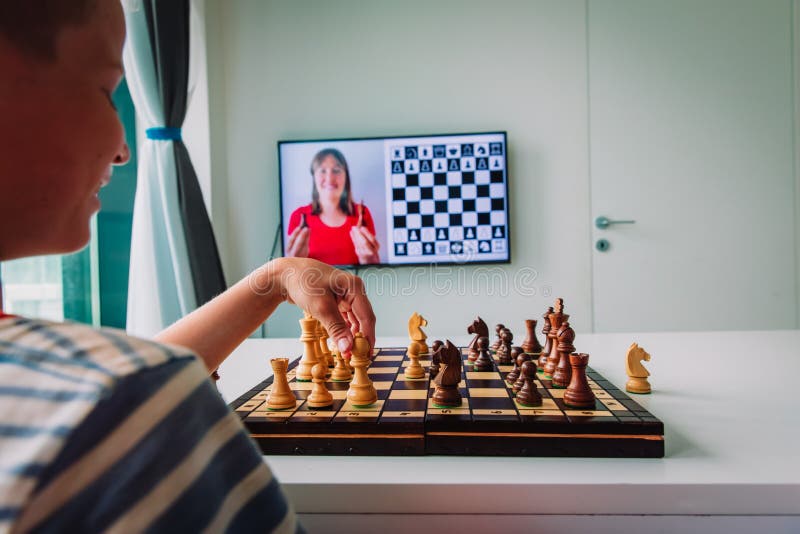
(297,246)
(366,245)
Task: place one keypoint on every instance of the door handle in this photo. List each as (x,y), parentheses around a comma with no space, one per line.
(604,222)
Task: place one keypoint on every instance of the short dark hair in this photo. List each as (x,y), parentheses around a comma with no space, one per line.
(33,25)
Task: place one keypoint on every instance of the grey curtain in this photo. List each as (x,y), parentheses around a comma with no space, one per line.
(168,24)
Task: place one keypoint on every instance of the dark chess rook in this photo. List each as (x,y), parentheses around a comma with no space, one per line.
(489,422)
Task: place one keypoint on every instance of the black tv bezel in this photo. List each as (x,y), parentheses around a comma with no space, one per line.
(383,137)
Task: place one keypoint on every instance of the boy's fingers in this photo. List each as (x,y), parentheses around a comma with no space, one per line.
(328,314)
(362,314)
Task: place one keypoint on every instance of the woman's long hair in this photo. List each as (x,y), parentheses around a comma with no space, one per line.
(345,203)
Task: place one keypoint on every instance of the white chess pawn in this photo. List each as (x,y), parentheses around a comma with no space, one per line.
(341,373)
(320,397)
(414,369)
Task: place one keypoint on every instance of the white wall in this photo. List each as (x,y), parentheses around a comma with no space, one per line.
(316,69)
(796,133)
(691,114)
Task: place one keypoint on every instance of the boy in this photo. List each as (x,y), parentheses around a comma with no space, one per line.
(100,431)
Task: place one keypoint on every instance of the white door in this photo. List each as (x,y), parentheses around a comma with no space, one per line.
(691,136)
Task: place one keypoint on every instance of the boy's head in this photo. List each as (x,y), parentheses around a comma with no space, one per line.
(59,132)
(33,26)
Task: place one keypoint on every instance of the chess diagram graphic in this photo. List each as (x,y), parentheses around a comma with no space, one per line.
(448,199)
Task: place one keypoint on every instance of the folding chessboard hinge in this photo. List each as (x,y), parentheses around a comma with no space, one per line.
(523,435)
(341,436)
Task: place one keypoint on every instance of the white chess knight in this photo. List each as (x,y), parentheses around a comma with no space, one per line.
(637,373)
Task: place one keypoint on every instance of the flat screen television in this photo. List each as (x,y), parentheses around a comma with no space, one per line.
(427,199)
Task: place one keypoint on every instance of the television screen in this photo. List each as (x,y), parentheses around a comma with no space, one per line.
(396,200)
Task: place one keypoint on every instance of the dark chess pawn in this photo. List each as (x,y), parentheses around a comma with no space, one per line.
(484,361)
(504,351)
(499,346)
(529,395)
(436,358)
(520,381)
(519,358)
(498,328)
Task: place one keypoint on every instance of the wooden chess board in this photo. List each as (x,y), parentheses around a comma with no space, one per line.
(448,199)
(489,422)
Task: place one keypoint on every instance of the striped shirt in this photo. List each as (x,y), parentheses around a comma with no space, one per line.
(104,432)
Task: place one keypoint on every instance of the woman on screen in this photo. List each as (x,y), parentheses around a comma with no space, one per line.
(332,228)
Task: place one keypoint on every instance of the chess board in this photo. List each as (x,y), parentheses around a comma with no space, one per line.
(489,422)
(448,199)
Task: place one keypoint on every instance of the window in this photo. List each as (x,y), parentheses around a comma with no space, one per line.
(33,287)
(90,286)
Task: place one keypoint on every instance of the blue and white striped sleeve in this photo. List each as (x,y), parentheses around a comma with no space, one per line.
(162,452)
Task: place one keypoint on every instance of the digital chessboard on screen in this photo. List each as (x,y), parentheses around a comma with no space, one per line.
(448,198)
(405,421)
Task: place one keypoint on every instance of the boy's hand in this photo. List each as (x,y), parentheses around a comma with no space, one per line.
(336,298)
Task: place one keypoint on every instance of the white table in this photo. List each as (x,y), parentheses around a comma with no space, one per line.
(730,407)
